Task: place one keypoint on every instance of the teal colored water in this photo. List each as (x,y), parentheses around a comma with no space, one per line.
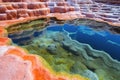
(102,40)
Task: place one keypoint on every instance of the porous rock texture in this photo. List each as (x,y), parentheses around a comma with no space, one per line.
(61,9)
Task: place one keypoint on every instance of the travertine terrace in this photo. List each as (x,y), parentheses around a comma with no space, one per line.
(15,10)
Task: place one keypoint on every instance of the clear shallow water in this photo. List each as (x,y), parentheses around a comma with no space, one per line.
(100,40)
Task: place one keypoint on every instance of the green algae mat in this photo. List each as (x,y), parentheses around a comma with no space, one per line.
(63,53)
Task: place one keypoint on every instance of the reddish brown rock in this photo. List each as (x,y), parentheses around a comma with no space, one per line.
(43,5)
(71,8)
(5,0)
(62,4)
(43,0)
(3,16)
(20,5)
(9,7)
(39,12)
(46,5)
(56,9)
(22,13)
(30,13)
(61,9)
(2,8)
(12,0)
(33,6)
(15,6)
(11,14)
(45,11)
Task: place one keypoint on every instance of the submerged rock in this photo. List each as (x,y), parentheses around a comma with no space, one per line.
(90,75)
(74,57)
(52,48)
(58,38)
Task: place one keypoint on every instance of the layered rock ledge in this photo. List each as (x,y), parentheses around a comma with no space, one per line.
(71,9)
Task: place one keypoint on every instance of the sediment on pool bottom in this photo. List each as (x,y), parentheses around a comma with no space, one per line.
(64,54)
(58,49)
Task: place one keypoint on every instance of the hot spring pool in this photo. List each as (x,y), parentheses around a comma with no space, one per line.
(98,39)
(73,48)
(102,40)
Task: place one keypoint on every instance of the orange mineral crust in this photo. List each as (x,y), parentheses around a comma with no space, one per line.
(17,64)
(31,67)
(3,32)
(5,41)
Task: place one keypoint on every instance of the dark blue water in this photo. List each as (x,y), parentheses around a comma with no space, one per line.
(102,40)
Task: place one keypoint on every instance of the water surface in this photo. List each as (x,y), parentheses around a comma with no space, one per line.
(102,40)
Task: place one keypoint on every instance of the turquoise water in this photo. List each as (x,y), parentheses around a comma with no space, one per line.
(102,40)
